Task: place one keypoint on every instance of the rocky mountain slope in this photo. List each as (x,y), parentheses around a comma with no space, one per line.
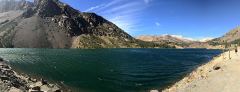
(8,5)
(53,24)
(231,37)
(169,39)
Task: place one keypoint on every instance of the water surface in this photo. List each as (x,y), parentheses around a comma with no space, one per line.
(109,70)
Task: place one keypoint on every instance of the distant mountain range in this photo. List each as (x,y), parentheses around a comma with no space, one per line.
(164,38)
(53,24)
(169,39)
(232,37)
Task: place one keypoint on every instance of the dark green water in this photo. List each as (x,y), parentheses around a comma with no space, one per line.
(109,70)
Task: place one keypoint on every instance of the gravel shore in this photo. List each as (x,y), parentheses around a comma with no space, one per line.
(11,81)
(219,75)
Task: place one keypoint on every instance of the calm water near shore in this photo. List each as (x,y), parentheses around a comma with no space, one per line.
(109,70)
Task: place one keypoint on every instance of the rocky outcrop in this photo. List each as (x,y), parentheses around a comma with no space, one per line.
(48,8)
(10,81)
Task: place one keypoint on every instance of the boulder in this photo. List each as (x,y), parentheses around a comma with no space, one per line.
(216,67)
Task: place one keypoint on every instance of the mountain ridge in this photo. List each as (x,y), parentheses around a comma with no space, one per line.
(170,38)
(173,40)
(233,36)
(53,24)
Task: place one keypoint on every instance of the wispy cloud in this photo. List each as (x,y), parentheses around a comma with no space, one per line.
(94,7)
(126,14)
(122,7)
(120,21)
(147,1)
(106,6)
(157,24)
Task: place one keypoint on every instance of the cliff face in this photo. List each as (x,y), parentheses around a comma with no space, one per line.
(53,24)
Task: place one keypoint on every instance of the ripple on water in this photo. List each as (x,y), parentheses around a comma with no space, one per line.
(109,70)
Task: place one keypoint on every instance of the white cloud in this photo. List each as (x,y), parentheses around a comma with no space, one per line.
(147,1)
(94,8)
(157,24)
(124,13)
(183,37)
(206,39)
(122,8)
(122,22)
(107,5)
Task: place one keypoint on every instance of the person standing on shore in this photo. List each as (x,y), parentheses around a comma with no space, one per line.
(223,49)
(236,50)
(229,51)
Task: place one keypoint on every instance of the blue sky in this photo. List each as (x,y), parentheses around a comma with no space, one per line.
(195,19)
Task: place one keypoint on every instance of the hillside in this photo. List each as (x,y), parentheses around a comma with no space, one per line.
(231,37)
(53,24)
(169,39)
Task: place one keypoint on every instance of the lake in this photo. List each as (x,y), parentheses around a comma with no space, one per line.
(109,70)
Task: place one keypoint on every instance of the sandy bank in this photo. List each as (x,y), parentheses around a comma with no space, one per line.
(10,81)
(219,75)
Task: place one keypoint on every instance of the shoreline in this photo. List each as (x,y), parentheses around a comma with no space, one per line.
(11,81)
(198,80)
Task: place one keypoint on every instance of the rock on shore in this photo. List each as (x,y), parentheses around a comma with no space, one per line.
(10,81)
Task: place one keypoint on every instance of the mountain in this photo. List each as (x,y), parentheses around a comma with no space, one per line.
(53,24)
(231,37)
(169,39)
(178,41)
(8,5)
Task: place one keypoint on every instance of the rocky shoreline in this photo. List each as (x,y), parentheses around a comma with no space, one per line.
(11,81)
(213,76)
